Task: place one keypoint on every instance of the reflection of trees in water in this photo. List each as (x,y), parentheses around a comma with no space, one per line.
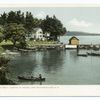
(53,60)
(22,65)
(73,55)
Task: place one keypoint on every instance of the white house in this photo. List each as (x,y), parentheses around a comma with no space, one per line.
(37,34)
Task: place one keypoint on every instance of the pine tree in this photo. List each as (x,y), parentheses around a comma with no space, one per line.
(3,19)
(29,22)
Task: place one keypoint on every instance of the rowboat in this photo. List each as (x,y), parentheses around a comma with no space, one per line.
(84,55)
(94,54)
(31,78)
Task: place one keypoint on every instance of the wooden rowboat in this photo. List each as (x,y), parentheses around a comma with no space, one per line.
(84,55)
(31,78)
(94,54)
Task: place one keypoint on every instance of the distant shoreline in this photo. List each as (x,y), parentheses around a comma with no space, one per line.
(77,33)
(84,35)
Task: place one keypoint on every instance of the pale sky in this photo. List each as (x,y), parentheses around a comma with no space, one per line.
(86,19)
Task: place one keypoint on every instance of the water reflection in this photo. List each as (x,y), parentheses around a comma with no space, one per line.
(73,55)
(57,66)
(22,65)
(53,60)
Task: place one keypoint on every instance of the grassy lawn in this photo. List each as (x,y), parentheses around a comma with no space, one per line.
(6,43)
(1,50)
(34,43)
(9,45)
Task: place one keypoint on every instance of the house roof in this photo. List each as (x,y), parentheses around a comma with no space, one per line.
(36,29)
(73,38)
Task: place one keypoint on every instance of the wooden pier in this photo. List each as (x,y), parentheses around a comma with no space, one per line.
(92,50)
(89,46)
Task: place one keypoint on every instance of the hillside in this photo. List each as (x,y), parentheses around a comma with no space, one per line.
(77,33)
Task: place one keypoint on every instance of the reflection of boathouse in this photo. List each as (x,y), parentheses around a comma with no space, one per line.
(73,41)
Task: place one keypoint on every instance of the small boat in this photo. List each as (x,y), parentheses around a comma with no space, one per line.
(94,54)
(31,78)
(84,55)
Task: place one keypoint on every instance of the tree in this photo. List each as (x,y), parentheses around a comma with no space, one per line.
(53,26)
(1,30)
(19,17)
(29,21)
(15,32)
(1,33)
(37,22)
(3,19)
(11,17)
(16,17)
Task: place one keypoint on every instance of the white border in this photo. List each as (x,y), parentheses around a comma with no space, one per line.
(49,5)
(49,1)
(49,90)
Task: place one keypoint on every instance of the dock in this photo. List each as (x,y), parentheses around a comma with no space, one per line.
(83,46)
(70,46)
(89,46)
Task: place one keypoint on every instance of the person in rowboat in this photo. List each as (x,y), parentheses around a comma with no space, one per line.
(40,76)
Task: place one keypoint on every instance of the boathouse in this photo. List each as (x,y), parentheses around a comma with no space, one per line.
(73,41)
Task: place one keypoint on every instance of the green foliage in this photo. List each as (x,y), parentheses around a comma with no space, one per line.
(39,43)
(15,25)
(3,19)
(1,33)
(15,32)
(1,50)
(53,26)
(15,17)
(20,19)
(1,29)
(11,17)
(3,70)
(29,21)
(37,22)
(3,61)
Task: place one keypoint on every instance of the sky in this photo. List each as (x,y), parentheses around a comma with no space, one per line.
(85,19)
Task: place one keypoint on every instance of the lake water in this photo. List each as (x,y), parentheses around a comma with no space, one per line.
(59,67)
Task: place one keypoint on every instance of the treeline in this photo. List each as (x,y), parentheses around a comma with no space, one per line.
(16,24)
(19,17)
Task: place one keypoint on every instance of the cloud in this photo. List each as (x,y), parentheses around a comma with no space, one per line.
(40,15)
(79,23)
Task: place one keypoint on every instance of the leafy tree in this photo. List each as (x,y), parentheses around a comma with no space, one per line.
(37,22)
(1,33)
(16,17)
(15,23)
(19,17)
(53,26)
(29,22)
(3,19)
(1,29)
(15,32)
(11,17)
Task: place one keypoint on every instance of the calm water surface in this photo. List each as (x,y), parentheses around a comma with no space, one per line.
(59,67)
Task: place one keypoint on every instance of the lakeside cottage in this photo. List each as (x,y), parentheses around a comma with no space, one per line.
(37,34)
(73,41)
